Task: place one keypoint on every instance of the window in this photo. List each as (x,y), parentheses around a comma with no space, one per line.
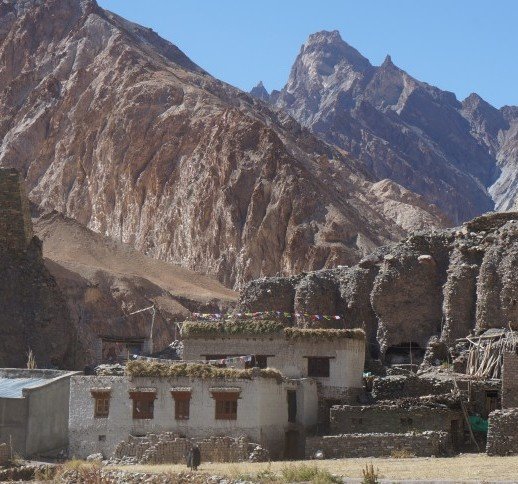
(101,402)
(102,438)
(143,404)
(226,405)
(318,366)
(292,406)
(182,402)
(406,421)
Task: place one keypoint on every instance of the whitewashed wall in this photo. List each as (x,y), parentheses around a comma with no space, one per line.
(262,413)
(346,365)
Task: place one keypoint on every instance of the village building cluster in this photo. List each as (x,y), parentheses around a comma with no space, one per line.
(258,390)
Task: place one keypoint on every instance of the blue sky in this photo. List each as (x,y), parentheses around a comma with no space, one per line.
(462,46)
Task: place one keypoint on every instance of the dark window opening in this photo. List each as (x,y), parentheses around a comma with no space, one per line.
(182,403)
(258,361)
(492,402)
(404,354)
(318,366)
(292,405)
(226,405)
(143,404)
(102,438)
(406,421)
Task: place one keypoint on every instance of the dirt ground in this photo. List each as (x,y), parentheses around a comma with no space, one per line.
(477,467)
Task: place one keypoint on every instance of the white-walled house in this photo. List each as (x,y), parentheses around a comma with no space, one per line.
(335,358)
(104,410)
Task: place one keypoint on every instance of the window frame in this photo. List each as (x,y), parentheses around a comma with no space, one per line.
(182,404)
(225,405)
(315,363)
(143,397)
(101,396)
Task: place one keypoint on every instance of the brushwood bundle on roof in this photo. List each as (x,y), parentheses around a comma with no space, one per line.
(231,328)
(321,334)
(140,368)
(267,328)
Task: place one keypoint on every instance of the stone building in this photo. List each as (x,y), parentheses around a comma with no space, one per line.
(259,405)
(34,410)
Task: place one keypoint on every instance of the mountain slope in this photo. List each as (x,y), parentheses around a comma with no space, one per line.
(116,128)
(402,129)
(102,280)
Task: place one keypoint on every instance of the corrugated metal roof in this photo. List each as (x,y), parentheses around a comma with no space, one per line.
(12,387)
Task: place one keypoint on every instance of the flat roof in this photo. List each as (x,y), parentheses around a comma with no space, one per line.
(13,387)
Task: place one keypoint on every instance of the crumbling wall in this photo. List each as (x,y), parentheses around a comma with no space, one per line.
(440,283)
(15,219)
(423,444)
(502,435)
(170,448)
(393,419)
(397,386)
(510,380)
(34,314)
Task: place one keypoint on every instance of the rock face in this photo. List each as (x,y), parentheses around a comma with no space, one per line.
(462,157)
(116,128)
(34,314)
(444,283)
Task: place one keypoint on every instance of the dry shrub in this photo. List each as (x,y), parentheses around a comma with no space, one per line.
(231,328)
(320,334)
(204,371)
(370,476)
(401,454)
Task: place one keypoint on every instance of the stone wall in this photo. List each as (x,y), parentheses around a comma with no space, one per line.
(398,386)
(510,380)
(5,454)
(168,448)
(422,444)
(394,419)
(502,435)
(15,220)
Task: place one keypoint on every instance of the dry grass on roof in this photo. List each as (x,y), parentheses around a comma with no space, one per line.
(141,368)
(231,328)
(320,334)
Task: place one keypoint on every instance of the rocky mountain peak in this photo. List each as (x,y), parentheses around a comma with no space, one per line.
(388,61)
(260,92)
(327,52)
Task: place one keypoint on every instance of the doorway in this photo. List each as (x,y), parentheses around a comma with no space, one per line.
(292,445)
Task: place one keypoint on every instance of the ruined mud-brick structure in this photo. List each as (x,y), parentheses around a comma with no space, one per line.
(440,311)
(34,315)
